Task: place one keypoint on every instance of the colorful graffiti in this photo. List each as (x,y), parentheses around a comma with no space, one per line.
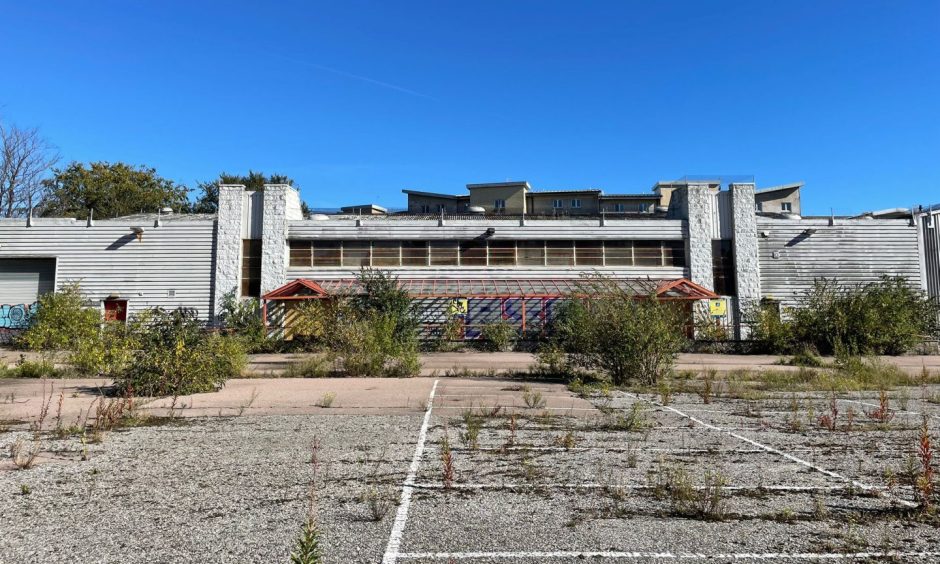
(15,317)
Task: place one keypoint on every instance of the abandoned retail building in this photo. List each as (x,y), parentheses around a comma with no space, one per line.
(500,251)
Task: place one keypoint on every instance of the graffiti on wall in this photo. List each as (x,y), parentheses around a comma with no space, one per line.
(14,318)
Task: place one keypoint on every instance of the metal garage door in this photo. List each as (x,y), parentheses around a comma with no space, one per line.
(23,280)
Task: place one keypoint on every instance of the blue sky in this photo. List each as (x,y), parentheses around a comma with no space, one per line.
(358,100)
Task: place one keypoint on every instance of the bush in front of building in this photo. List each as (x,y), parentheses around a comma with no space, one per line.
(374,333)
(886,317)
(498,336)
(178,357)
(61,322)
(604,328)
(242,318)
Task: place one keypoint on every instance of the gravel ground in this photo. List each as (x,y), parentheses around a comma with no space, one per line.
(234,489)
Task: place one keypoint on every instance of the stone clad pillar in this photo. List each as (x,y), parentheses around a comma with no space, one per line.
(228,243)
(281,205)
(700,211)
(746,259)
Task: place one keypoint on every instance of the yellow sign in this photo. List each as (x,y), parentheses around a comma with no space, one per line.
(718,307)
(458,306)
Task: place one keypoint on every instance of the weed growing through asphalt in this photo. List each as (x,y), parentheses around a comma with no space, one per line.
(25,489)
(883,413)
(676,485)
(447,462)
(925,481)
(830,420)
(249,403)
(471,433)
(326,400)
(377,500)
(533,398)
(632,454)
(568,440)
(307,549)
(378,503)
(24,452)
(634,420)
(665,392)
(820,511)
(707,387)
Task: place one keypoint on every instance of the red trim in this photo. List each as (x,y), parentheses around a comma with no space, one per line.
(289,291)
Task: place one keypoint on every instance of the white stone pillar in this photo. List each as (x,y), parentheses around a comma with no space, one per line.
(746,258)
(228,243)
(700,211)
(281,205)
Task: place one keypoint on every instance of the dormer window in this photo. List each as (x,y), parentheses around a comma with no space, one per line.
(576,203)
(786,207)
(499,205)
(557,204)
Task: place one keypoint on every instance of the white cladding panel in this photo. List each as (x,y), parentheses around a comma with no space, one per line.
(851,251)
(666,229)
(170,267)
(929,224)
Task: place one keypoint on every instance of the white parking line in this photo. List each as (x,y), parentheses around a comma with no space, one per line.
(634,487)
(668,555)
(899,412)
(773,450)
(401,516)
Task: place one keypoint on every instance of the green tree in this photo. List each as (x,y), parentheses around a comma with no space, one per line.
(111,189)
(208,200)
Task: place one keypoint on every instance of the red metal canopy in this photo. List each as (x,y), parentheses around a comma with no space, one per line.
(303,289)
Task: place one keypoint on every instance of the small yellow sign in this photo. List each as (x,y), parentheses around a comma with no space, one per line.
(459,306)
(718,307)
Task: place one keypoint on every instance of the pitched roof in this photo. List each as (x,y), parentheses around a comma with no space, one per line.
(677,289)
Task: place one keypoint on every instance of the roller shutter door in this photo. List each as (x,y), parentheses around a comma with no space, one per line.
(22,281)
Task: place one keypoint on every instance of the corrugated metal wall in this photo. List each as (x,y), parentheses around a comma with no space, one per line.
(929,225)
(378,228)
(171,267)
(852,251)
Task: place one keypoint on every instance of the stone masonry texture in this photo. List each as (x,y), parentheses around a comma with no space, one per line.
(228,243)
(746,257)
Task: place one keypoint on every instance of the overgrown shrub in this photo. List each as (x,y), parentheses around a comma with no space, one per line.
(242,318)
(367,346)
(371,334)
(382,295)
(177,357)
(606,328)
(449,336)
(61,322)
(885,317)
(110,350)
(498,336)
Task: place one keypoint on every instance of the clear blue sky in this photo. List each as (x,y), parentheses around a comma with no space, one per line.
(357,100)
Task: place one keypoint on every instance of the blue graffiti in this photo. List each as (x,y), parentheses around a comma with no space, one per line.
(16,316)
